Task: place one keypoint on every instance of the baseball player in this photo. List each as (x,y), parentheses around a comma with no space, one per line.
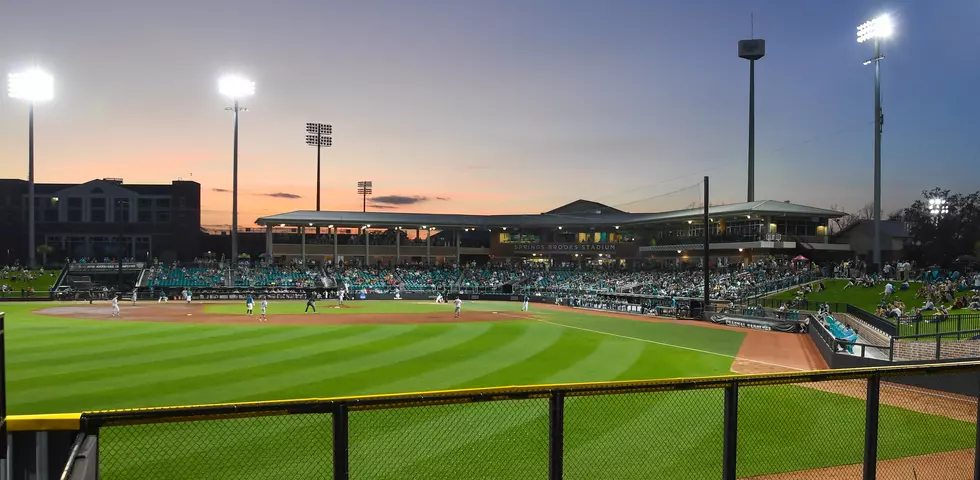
(459,304)
(249,305)
(439,298)
(311,302)
(135,291)
(262,309)
(163,297)
(340,297)
(526,300)
(115,306)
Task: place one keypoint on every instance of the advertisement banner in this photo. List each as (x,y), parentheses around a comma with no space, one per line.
(564,247)
(104,267)
(760,323)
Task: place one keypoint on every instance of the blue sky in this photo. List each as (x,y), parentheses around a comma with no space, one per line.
(506,106)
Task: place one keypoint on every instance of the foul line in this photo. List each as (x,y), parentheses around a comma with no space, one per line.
(668,345)
(884,384)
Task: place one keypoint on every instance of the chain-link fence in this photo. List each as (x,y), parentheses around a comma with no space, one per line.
(811,425)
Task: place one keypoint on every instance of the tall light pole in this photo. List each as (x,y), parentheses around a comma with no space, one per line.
(365,188)
(235,88)
(318,135)
(938,208)
(34,86)
(876,30)
(751,50)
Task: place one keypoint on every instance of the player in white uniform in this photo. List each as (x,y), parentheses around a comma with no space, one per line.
(340,297)
(262,309)
(115,306)
(439,298)
(135,291)
(459,304)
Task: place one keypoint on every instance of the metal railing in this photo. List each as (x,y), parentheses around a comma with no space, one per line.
(938,324)
(711,427)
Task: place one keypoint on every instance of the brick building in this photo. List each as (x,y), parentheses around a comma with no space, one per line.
(89,219)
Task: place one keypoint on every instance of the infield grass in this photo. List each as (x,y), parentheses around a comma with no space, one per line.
(59,365)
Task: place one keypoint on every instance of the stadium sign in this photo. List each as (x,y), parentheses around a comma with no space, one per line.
(104,267)
(565,247)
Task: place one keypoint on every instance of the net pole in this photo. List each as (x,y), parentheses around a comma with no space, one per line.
(707,241)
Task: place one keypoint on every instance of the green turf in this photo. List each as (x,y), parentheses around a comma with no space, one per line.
(42,283)
(869,298)
(57,365)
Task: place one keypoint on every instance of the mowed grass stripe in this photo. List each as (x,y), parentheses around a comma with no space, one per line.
(659,361)
(486,359)
(237,448)
(199,383)
(401,437)
(680,429)
(610,359)
(350,377)
(268,382)
(197,350)
(130,332)
(65,355)
(513,448)
(566,350)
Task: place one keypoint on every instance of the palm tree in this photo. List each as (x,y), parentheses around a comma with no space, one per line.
(44,250)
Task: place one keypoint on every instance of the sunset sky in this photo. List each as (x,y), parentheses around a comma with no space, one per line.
(509,106)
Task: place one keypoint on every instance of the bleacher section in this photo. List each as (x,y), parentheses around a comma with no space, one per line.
(427,279)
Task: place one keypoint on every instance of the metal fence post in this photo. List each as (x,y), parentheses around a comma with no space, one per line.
(976,446)
(730,444)
(891,349)
(556,435)
(3,397)
(871,428)
(939,345)
(341,467)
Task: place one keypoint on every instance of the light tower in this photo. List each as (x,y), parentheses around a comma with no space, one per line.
(235,88)
(34,86)
(365,188)
(751,50)
(876,29)
(318,135)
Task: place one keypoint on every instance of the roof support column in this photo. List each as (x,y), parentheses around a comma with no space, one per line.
(458,240)
(302,245)
(428,245)
(367,247)
(398,246)
(335,260)
(268,242)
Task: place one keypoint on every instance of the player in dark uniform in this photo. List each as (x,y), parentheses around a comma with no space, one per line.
(311,301)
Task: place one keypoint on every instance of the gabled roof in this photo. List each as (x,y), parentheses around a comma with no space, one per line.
(553,220)
(583,207)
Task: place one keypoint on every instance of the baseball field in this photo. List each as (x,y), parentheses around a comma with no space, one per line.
(74,357)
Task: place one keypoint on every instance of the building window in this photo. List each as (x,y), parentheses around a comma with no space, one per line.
(163,203)
(145,216)
(98,202)
(74,202)
(145,203)
(98,215)
(75,215)
(121,211)
(163,216)
(50,215)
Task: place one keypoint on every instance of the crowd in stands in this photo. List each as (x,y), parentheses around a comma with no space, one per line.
(244,275)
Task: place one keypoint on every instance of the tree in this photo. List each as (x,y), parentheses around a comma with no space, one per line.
(940,238)
(864,213)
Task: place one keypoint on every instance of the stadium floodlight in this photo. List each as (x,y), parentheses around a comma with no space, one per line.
(880,27)
(235,88)
(32,85)
(318,135)
(559,227)
(365,188)
(876,29)
(751,50)
(938,206)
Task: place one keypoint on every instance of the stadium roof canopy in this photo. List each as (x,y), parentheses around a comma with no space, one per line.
(580,213)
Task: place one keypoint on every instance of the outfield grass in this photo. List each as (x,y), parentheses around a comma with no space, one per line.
(63,365)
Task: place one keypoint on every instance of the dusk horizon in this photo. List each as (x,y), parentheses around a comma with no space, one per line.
(490,109)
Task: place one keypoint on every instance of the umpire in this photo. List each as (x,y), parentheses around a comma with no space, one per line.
(310,301)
